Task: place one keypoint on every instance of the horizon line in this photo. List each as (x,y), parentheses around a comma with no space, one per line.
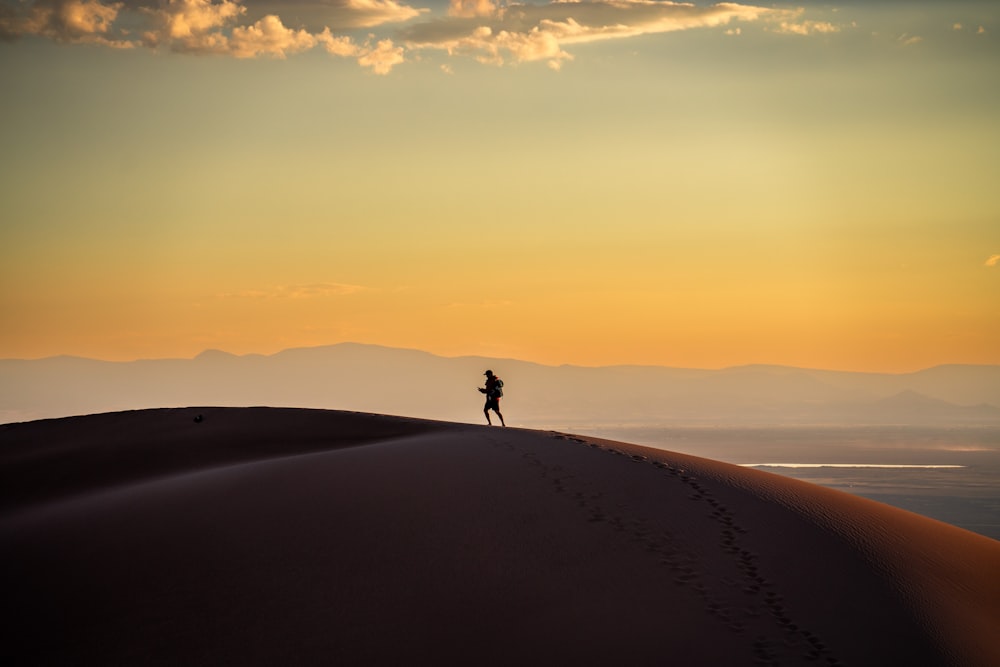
(751,365)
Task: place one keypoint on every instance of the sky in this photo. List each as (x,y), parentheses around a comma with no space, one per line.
(616,182)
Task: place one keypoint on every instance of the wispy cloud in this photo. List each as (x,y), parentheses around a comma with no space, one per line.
(338,15)
(981,30)
(344,14)
(518,33)
(806,28)
(307,291)
(504,303)
(992,260)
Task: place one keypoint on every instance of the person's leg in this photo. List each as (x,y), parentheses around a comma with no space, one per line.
(486,411)
(502,423)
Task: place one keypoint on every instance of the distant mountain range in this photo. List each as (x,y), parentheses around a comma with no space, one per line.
(370,378)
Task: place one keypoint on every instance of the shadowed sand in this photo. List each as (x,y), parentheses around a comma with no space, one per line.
(303,537)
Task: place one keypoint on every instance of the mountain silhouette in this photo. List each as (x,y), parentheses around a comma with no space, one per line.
(371,378)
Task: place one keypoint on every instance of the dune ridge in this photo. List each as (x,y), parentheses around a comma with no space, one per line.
(265,535)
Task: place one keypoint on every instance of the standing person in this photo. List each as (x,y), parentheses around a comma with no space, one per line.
(493,391)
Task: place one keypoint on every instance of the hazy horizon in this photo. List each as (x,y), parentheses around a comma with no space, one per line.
(417,383)
(211,351)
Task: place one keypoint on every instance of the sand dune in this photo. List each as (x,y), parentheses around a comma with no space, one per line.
(301,537)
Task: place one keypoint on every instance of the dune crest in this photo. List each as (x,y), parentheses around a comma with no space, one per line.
(266,536)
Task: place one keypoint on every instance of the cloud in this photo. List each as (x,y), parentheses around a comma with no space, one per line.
(380,58)
(185,18)
(540,43)
(338,15)
(337,46)
(207,26)
(488,31)
(979,31)
(909,40)
(806,28)
(68,21)
(482,305)
(197,26)
(269,36)
(319,289)
(472,8)
(370,13)
(525,33)
(993,260)
(191,25)
(307,291)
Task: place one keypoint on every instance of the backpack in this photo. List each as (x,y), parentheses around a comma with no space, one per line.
(497,387)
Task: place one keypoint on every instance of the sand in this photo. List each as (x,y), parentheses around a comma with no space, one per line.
(268,536)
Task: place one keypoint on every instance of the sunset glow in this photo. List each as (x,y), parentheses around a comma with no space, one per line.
(634,182)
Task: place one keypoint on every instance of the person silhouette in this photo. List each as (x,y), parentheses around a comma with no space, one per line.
(493,391)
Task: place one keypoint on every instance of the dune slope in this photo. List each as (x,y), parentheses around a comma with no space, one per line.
(267,536)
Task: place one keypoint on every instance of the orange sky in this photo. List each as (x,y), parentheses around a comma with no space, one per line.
(806,187)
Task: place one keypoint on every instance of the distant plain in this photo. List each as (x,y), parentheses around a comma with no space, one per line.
(967,496)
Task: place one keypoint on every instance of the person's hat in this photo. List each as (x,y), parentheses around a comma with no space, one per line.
(488,373)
